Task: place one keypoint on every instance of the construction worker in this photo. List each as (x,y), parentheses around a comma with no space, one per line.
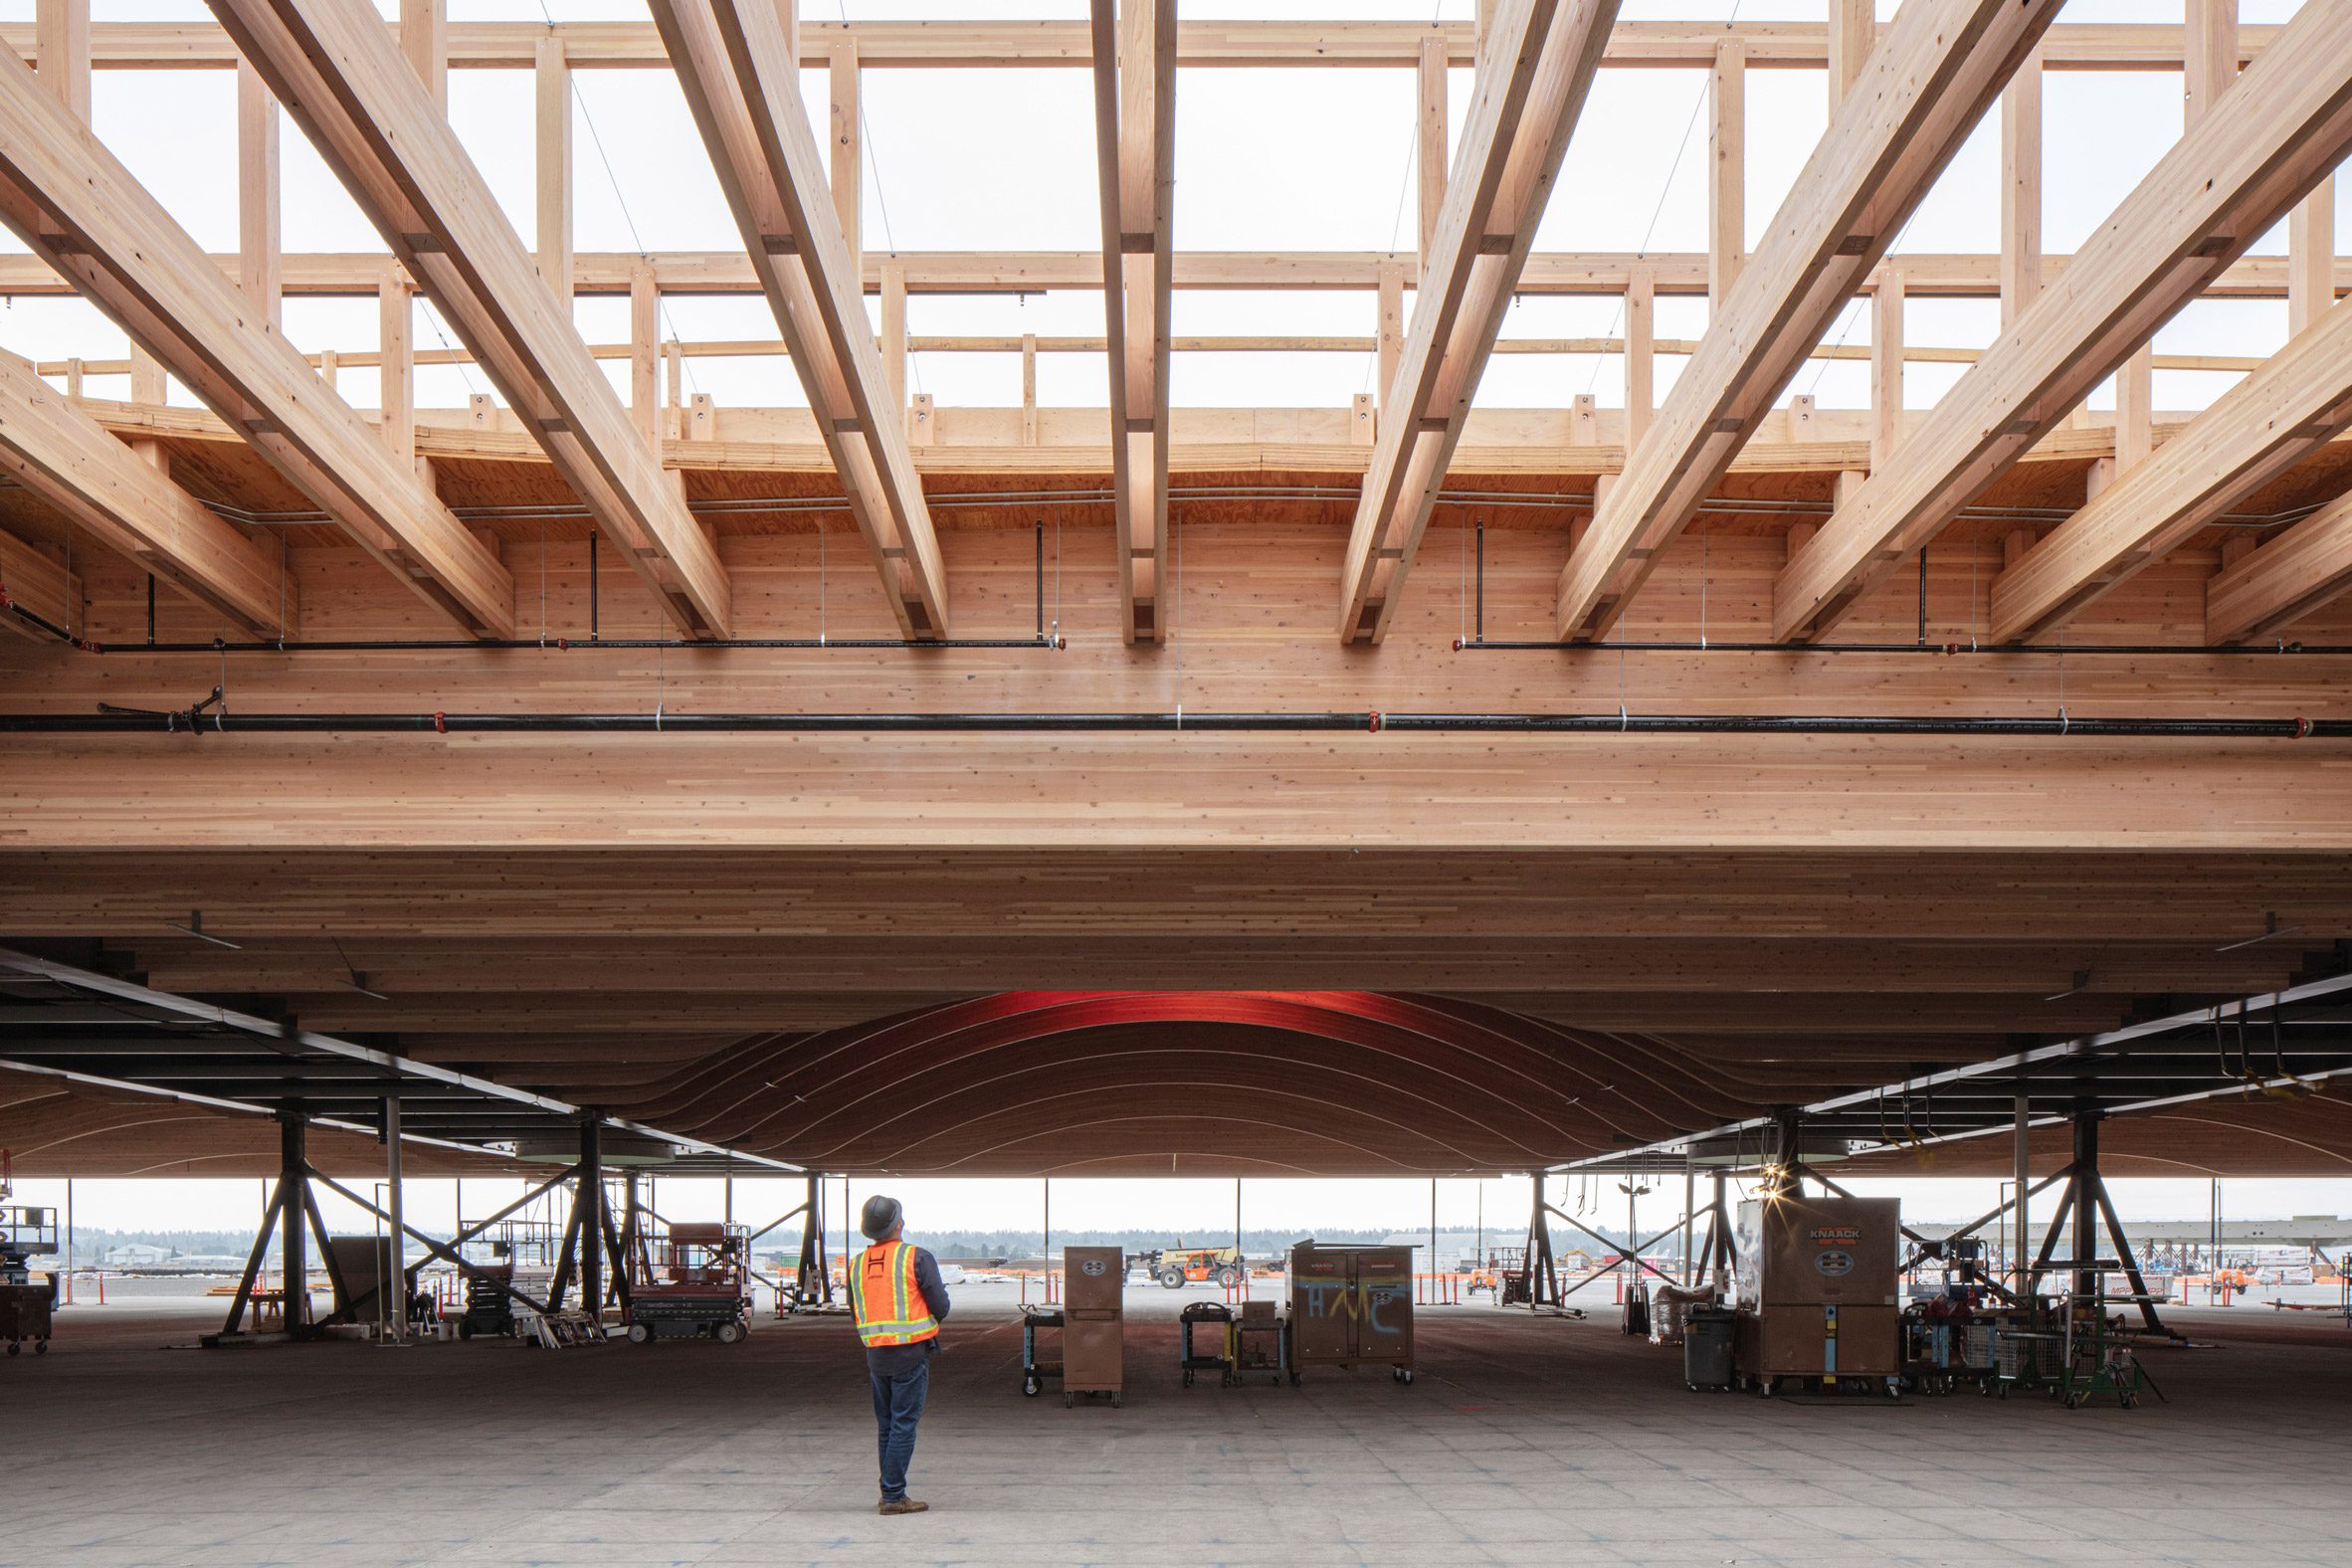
(900,1302)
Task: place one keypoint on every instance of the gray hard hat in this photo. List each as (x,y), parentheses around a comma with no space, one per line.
(880,1217)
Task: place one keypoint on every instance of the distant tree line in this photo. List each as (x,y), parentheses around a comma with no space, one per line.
(960,1244)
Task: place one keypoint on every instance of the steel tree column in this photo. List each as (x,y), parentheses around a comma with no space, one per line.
(2086,1214)
(395,1281)
(293,1178)
(588,1209)
(814,1279)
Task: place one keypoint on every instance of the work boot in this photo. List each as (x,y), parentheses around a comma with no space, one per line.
(902,1506)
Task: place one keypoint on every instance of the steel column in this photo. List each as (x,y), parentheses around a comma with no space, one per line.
(396,1283)
(588,1207)
(293,1252)
(2087,1218)
(2023,1156)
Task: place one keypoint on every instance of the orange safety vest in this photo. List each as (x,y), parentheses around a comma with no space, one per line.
(889,1302)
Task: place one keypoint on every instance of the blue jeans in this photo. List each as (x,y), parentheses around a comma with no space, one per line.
(898,1407)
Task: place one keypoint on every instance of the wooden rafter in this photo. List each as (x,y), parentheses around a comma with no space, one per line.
(2308,566)
(86,216)
(734,66)
(340,73)
(1920,93)
(2231,177)
(2262,427)
(1540,65)
(68,458)
(30,582)
(1135,148)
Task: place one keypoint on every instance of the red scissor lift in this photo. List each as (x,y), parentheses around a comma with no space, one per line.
(690,1282)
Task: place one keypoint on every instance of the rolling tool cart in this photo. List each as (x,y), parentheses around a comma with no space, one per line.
(1034,1372)
(1258,1341)
(26,1233)
(1190,1358)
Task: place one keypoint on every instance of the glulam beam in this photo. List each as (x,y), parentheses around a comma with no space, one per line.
(2304,568)
(68,458)
(1135,143)
(1022,43)
(2235,173)
(2299,401)
(744,89)
(1918,94)
(87,217)
(1539,66)
(339,71)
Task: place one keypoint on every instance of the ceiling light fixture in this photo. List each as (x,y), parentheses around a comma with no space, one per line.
(2271,928)
(195,928)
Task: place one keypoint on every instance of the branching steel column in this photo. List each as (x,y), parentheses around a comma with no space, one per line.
(294,1170)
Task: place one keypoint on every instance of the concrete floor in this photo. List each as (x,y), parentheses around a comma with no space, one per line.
(1523,1440)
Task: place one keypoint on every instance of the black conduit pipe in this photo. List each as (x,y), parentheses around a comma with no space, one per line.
(2269,649)
(119,723)
(567,644)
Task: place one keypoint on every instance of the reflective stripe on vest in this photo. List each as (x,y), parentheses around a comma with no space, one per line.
(887,1299)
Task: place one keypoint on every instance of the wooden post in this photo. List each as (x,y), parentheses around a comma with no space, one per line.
(2134,395)
(2311,257)
(921,422)
(674,385)
(1639,355)
(702,416)
(2209,62)
(149,384)
(847,194)
(553,76)
(1801,416)
(1886,365)
(260,269)
(328,367)
(1727,191)
(424,39)
(396,368)
(645,351)
(1854,32)
(1363,418)
(1431,142)
(2021,189)
(893,330)
(1390,334)
(1583,422)
(1028,389)
(61,52)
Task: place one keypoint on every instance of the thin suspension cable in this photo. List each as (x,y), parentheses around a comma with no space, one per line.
(1697,106)
(881,202)
(628,218)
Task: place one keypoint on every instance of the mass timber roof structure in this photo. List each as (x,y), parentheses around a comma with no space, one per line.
(853,780)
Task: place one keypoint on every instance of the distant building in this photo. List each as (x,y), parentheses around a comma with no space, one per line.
(137,1255)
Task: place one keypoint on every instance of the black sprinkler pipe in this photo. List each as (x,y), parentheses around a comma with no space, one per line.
(2270,650)
(119,722)
(565,644)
